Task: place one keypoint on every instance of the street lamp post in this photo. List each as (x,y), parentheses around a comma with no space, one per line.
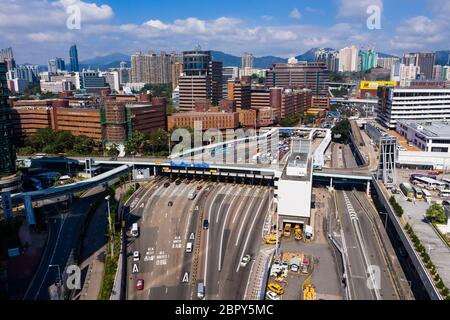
(107,198)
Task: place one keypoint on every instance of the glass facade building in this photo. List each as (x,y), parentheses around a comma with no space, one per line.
(7,154)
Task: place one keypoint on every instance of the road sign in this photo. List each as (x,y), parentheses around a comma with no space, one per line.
(135,268)
(185,278)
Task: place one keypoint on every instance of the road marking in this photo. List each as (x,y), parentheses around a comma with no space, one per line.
(135,268)
(240,206)
(219,267)
(207,237)
(185,278)
(248,235)
(245,218)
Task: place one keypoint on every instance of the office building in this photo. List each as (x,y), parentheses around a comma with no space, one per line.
(209,120)
(92,82)
(412,104)
(201,79)
(7,152)
(151,68)
(427,136)
(111,79)
(7,56)
(300,75)
(30,73)
(348,59)
(240,91)
(228,73)
(56,65)
(424,60)
(73,54)
(367,60)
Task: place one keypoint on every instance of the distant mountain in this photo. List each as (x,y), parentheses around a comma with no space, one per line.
(229,60)
(107,59)
(442,57)
(310,55)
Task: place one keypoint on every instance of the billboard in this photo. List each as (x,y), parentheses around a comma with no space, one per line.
(373,85)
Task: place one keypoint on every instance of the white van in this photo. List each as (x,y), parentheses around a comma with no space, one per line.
(189,247)
(135,230)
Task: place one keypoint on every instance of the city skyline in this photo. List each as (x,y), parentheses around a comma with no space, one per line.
(282,29)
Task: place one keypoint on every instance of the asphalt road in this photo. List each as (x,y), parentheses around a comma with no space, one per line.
(164,233)
(64,233)
(362,253)
(171,273)
(236,215)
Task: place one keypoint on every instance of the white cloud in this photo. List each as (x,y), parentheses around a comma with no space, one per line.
(267,18)
(352,8)
(295,14)
(89,11)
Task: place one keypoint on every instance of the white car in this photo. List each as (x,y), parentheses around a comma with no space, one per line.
(136,256)
(295,268)
(272,295)
(245,260)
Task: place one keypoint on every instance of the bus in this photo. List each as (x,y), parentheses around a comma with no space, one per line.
(427,195)
(444,193)
(418,193)
(407,190)
(413,176)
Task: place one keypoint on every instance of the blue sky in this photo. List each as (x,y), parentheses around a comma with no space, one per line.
(36,29)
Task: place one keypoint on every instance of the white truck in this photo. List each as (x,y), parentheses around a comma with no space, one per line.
(135,230)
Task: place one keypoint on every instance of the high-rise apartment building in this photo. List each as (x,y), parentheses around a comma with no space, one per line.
(7,154)
(300,75)
(177,68)
(247,60)
(29,73)
(404,74)
(151,68)
(201,79)
(7,56)
(424,60)
(73,54)
(367,60)
(124,73)
(329,57)
(438,72)
(348,59)
(387,62)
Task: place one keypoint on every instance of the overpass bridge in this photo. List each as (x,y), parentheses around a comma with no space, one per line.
(27,198)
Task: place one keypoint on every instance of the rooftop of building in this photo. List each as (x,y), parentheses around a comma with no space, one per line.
(435,129)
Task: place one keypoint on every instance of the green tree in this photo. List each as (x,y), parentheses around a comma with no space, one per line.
(113,151)
(341,131)
(436,214)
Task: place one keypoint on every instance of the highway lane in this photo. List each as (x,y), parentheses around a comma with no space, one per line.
(64,233)
(362,252)
(164,232)
(236,215)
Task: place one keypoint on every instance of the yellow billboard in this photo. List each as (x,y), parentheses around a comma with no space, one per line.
(373,85)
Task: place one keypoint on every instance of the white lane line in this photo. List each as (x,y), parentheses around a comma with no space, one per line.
(240,206)
(245,218)
(53,255)
(223,229)
(227,193)
(248,235)
(205,271)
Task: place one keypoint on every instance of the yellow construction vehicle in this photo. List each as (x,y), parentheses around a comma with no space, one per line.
(298,232)
(308,290)
(287,230)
